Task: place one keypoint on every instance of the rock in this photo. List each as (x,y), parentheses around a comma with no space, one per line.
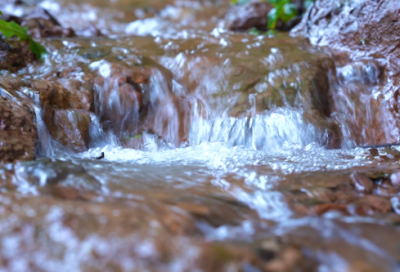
(374,152)
(284,74)
(324,208)
(252,14)
(14,55)
(18,132)
(322,194)
(379,203)
(289,259)
(130,101)
(71,129)
(41,23)
(363,209)
(366,25)
(362,182)
(66,103)
(63,192)
(365,29)
(118,95)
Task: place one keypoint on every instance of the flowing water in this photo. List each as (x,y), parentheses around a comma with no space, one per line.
(222,151)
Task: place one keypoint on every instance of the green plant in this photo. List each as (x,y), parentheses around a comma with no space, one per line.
(11,29)
(283,10)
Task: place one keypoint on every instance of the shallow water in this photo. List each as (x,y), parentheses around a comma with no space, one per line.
(221,158)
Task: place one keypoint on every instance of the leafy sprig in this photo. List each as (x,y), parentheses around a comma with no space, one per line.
(283,10)
(11,29)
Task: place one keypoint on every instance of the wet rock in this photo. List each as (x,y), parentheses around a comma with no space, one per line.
(363,209)
(289,259)
(252,14)
(67,193)
(324,208)
(14,55)
(138,99)
(362,182)
(374,152)
(385,190)
(322,194)
(41,23)
(364,29)
(353,25)
(250,85)
(66,103)
(361,266)
(18,131)
(379,203)
(118,94)
(71,129)
(64,94)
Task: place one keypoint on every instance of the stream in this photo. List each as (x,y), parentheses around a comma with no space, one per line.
(223,151)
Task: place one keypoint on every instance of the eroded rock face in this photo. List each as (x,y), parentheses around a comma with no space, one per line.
(66,104)
(18,134)
(14,55)
(366,26)
(40,23)
(136,99)
(253,14)
(364,30)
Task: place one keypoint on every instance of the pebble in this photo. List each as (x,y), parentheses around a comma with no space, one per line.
(362,182)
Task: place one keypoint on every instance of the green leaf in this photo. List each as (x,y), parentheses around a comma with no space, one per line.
(37,49)
(272,18)
(136,136)
(289,12)
(1,13)
(11,29)
(239,2)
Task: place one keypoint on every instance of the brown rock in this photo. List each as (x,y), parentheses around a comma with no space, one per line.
(253,14)
(67,193)
(379,203)
(71,129)
(123,94)
(14,55)
(362,183)
(323,208)
(366,29)
(41,23)
(362,209)
(18,133)
(66,103)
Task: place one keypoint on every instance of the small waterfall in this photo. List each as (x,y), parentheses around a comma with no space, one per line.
(44,147)
(359,105)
